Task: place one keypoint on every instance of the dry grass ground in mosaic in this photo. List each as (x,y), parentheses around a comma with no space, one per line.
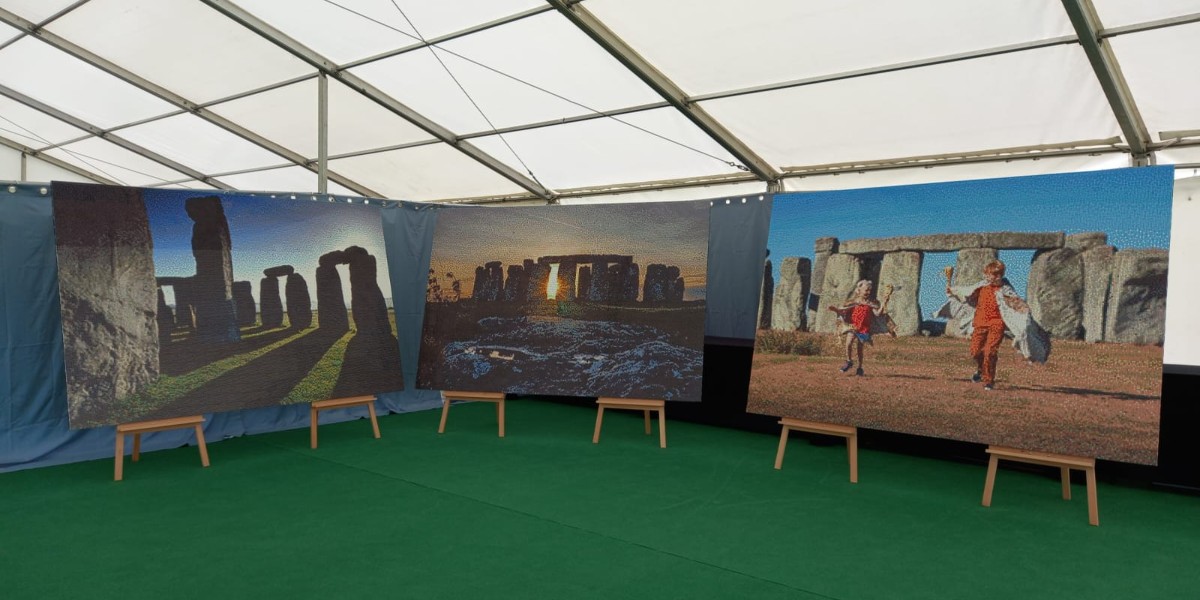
(1098,400)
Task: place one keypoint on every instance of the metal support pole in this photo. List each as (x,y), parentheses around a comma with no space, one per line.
(24,167)
(322,133)
(1104,63)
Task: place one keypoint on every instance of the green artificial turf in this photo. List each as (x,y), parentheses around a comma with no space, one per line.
(544,513)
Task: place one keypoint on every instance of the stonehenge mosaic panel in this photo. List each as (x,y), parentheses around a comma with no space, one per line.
(162,316)
(1024,312)
(568,300)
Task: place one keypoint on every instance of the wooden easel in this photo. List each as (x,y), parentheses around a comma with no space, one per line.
(315,409)
(646,406)
(1064,463)
(497,397)
(850,433)
(137,429)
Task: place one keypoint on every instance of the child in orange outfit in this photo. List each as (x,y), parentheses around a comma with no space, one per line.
(988,325)
(987,311)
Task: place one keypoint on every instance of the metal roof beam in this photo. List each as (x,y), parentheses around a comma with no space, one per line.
(1150,25)
(105,135)
(594,28)
(1104,63)
(902,66)
(58,162)
(433,41)
(277,37)
(160,92)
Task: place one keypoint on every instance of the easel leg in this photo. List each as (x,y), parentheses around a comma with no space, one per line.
(119,462)
(852,448)
(646,413)
(202,445)
(783,439)
(662,429)
(312,427)
(1066,482)
(500,416)
(374,421)
(599,421)
(445,412)
(990,482)
(137,447)
(1093,505)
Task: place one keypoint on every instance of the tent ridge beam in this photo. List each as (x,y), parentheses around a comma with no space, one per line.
(199,107)
(103,134)
(58,162)
(282,40)
(537,10)
(166,95)
(1149,25)
(902,66)
(1104,64)
(595,29)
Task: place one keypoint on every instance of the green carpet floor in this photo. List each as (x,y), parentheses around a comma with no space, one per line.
(544,513)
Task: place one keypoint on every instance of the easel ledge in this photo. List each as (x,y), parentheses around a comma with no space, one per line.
(140,427)
(846,431)
(1064,462)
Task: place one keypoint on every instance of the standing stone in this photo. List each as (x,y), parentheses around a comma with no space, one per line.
(539,281)
(515,289)
(1086,241)
(902,271)
(108,297)
(299,303)
(270,305)
(674,285)
(211,246)
(969,271)
(493,282)
(566,282)
(789,310)
(766,295)
(331,301)
(366,299)
(496,280)
(480,283)
(165,319)
(1097,274)
(243,301)
(654,290)
(185,306)
(1056,292)
(616,282)
(598,286)
(823,248)
(1137,300)
(585,281)
(842,272)
(629,292)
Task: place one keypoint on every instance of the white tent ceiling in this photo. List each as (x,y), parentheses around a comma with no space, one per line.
(482,100)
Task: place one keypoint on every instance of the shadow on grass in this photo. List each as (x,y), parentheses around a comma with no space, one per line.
(263,381)
(371,365)
(1075,391)
(187,355)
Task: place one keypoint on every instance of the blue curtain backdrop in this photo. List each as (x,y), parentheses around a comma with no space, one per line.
(33,404)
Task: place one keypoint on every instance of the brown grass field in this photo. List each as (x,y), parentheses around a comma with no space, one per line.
(1096,400)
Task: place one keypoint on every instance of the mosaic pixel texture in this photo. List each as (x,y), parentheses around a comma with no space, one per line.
(568,300)
(1023,312)
(180,303)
